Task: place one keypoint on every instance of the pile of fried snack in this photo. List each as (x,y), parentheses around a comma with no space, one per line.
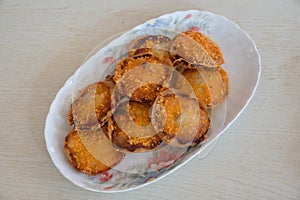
(160,94)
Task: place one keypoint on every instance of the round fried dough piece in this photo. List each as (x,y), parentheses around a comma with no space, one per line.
(211,47)
(208,85)
(90,151)
(179,119)
(157,45)
(192,49)
(149,41)
(92,105)
(142,78)
(130,128)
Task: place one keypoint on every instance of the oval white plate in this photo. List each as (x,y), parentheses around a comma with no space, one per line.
(242,63)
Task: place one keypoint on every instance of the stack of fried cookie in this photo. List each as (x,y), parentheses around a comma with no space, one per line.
(160,94)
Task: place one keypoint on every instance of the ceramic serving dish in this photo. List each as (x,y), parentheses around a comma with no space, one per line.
(242,63)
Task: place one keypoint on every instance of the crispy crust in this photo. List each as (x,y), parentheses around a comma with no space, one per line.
(70,116)
(92,105)
(150,41)
(130,128)
(150,45)
(208,85)
(225,80)
(192,49)
(143,52)
(81,147)
(211,47)
(141,79)
(180,120)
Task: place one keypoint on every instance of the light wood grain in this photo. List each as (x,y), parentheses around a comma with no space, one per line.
(43,43)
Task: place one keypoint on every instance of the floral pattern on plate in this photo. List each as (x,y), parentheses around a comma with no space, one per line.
(151,170)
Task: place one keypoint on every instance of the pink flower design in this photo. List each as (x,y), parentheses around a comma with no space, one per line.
(188,16)
(107,187)
(164,159)
(108,59)
(105,176)
(195,28)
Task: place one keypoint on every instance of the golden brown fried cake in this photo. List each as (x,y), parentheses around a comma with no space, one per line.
(150,45)
(179,119)
(208,85)
(192,49)
(90,151)
(225,79)
(143,52)
(211,47)
(92,105)
(136,53)
(142,78)
(150,41)
(130,128)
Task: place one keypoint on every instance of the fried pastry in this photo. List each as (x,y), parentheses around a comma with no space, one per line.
(90,151)
(143,52)
(92,105)
(130,128)
(211,47)
(192,49)
(180,120)
(150,44)
(142,78)
(210,86)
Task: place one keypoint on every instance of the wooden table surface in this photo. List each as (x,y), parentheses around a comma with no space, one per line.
(43,43)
